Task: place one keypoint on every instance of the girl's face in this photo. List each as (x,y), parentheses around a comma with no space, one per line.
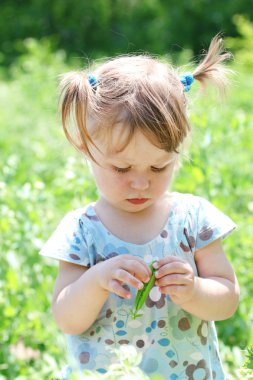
(135,178)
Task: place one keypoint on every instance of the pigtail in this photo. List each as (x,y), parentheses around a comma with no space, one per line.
(76,98)
(211,68)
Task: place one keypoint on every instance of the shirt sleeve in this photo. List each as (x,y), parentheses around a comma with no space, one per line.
(71,241)
(206,224)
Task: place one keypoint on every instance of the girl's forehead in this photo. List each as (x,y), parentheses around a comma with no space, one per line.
(139,148)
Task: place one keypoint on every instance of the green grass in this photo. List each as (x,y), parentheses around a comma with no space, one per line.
(42,177)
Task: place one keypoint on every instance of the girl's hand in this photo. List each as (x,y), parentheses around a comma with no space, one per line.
(175,277)
(123,269)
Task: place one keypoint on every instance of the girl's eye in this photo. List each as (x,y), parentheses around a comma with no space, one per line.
(158,170)
(125,170)
(121,170)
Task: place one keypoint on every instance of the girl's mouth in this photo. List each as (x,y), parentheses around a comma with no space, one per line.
(137,201)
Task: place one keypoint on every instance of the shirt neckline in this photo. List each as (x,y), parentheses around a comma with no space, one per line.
(170,216)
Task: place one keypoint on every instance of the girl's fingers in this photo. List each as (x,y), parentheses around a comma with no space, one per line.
(174,279)
(123,276)
(175,267)
(124,269)
(117,288)
(167,260)
(173,290)
(138,269)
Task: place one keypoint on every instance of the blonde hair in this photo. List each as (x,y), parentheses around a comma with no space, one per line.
(138,91)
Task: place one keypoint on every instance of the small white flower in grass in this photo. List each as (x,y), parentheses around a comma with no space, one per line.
(69,174)
(250,206)
(39,185)
(2,185)
(25,191)
(129,355)
(71,160)
(125,368)
(37,243)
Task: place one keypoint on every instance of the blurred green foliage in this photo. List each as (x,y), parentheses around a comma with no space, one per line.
(42,177)
(243,45)
(105,27)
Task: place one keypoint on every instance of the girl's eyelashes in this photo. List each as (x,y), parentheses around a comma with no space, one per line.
(153,169)
(158,170)
(121,170)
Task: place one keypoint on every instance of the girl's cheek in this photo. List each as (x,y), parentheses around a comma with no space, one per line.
(160,186)
(121,181)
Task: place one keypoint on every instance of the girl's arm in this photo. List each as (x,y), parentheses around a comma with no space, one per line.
(80,293)
(212,295)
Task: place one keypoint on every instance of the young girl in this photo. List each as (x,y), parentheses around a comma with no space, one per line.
(130,122)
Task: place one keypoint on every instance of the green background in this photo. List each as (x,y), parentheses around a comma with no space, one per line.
(42,177)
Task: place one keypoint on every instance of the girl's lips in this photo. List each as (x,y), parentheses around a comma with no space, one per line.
(137,201)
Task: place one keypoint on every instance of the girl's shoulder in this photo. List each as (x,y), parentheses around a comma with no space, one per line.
(186,202)
(72,237)
(82,217)
(201,221)
(199,209)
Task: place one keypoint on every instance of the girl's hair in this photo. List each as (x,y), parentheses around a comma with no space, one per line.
(138,91)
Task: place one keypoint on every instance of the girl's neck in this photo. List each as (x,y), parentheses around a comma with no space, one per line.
(135,227)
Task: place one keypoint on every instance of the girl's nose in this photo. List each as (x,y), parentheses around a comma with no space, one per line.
(139,182)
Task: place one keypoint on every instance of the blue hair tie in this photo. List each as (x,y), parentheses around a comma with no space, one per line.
(187,80)
(92,80)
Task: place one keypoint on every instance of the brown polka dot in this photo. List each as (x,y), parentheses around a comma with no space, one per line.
(99,258)
(84,357)
(161,302)
(108,313)
(149,302)
(161,324)
(184,324)
(158,304)
(173,363)
(114,319)
(92,333)
(140,343)
(109,341)
(112,254)
(123,341)
(91,217)
(192,241)
(206,233)
(185,363)
(153,341)
(164,234)
(203,338)
(184,247)
(191,368)
(74,256)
